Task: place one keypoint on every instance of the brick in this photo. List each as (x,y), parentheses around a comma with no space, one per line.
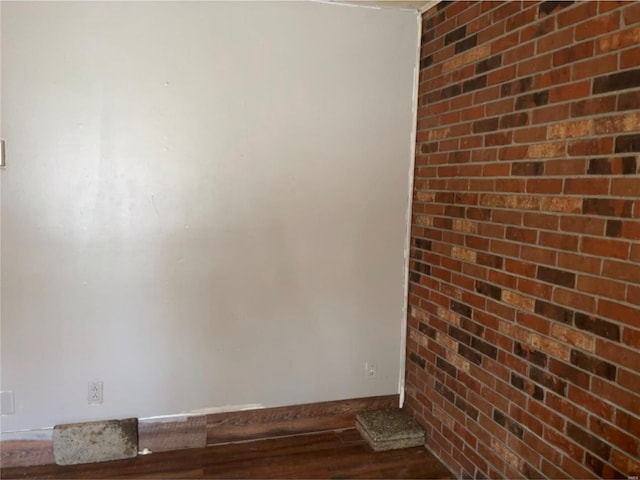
(625,463)
(621,123)
(514,120)
(582,11)
(547,380)
(618,40)
(561,204)
(572,336)
(416,359)
(554,76)
(448,316)
(572,91)
(455,35)
(554,312)
(574,299)
(549,417)
(602,287)
(565,167)
(594,365)
(631,13)
(627,422)
(552,6)
(590,442)
(629,58)
(474,83)
(607,206)
(488,290)
(615,311)
(575,52)
(558,277)
(593,106)
(555,40)
(612,166)
(488,64)
(553,113)
(595,66)
(464,45)
(631,337)
(570,129)
(507,455)
(485,125)
(564,443)
(628,101)
(617,81)
(627,379)
(531,321)
(598,326)
(617,353)
(612,5)
(531,355)
(604,247)
(516,87)
(598,26)
(576,469)
(593,146)
(586,186)
(457,361)
(626,187)
(569,373)
(463,254)
(502,419)
(614,228)
(558,241)
(546,150)
(564,407)
(505,42)
(517,300)
(478,53)
(532,100)
(589,402)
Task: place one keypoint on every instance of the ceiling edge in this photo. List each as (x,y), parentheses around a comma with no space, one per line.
(429,6)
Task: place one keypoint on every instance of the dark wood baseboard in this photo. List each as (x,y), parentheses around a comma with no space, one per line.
(166,434)
(292,420)
(197,431)
(26,452)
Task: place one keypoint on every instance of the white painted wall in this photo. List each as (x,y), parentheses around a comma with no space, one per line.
(204,204)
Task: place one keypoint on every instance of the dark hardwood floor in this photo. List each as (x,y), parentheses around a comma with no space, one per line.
(335,454)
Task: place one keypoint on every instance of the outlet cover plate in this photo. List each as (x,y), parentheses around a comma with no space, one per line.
(7,403)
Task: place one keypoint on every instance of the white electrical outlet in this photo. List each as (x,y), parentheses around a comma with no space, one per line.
(370,370)
(7,404)
(94,393)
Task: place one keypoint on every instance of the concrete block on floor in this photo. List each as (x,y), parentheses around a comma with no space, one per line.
(95,441)
(389,429)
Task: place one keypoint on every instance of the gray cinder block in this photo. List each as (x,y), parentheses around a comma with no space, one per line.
(95,441)
(389,429)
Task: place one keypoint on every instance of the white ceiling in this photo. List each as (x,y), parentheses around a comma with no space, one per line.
(421,6)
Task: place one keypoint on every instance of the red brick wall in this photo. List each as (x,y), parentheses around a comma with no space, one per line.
(524,325)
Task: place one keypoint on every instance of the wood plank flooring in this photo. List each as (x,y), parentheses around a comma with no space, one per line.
(332,454)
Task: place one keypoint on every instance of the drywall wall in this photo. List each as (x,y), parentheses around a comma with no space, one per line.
(204,206)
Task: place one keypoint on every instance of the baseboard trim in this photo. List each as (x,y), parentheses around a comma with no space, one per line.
(174,433)
(25,449)
(31,448)
(292,420)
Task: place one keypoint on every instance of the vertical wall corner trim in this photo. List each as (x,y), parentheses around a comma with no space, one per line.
(407,245)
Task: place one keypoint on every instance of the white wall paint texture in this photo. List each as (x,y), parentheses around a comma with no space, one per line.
(204,205)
